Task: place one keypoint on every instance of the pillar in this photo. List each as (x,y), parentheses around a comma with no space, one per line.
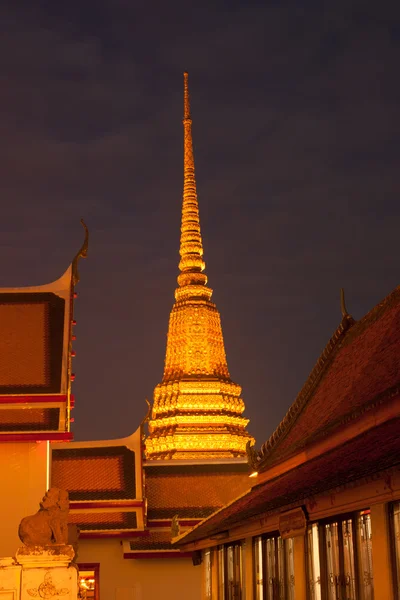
(248,568)
(381,560)
(300,580)
(214,573)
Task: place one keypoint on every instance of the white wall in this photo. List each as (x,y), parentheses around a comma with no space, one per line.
(140,579)
(23,471)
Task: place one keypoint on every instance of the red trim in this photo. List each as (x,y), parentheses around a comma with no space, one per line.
(59,436)
(167,522)
(107,504)
(88,535)
(165,554)
(32,399)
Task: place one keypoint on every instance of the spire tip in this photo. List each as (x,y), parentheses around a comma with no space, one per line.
(186,100)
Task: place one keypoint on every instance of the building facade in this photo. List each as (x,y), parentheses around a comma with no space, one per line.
(321,521)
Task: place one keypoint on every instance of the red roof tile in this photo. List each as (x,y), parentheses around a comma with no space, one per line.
(361,369)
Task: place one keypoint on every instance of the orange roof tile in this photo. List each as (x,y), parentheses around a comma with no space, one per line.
(103,521)
(156,540)
(192,491)
(29,419)
(95,473)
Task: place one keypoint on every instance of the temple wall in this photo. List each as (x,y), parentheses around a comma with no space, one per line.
(23,469)
(140,579)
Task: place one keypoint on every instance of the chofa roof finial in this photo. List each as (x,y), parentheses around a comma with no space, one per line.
(343,304)
(82,253)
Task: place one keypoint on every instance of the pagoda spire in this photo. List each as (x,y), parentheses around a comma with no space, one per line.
(197,409)
(191,264)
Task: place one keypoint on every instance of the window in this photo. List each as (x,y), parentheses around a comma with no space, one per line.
(234,574)
(207,574)
(258,568)
(364,540)
(230,572)
(313,563)
(339,558)
(221,573)
(88,581)
(274,568)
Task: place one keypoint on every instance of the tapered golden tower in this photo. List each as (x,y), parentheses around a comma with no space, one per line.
(197,409)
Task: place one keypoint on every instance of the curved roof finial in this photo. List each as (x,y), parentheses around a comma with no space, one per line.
(145,419)
(82,253)
(343,304)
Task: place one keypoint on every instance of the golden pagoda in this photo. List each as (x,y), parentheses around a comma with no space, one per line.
(197,408)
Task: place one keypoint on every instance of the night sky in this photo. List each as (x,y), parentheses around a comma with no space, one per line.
(296,128)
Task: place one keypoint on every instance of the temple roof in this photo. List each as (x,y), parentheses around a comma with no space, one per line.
(157,541)
(104,480)
(36,336)
(358,368)
(188,492)
(113,494)
(95,472)
(192,491)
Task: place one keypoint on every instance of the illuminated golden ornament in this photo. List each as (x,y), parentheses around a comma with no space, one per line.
(197,409)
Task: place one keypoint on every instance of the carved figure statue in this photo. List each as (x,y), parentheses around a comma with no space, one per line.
(49,526)
(175,527)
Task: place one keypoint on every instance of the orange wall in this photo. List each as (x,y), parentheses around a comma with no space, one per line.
(141,579)
(23,469)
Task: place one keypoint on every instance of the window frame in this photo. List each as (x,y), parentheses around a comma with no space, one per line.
(323,557)
(280,561)
(222,571)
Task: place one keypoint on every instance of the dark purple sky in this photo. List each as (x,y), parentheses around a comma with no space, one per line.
(297,144)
